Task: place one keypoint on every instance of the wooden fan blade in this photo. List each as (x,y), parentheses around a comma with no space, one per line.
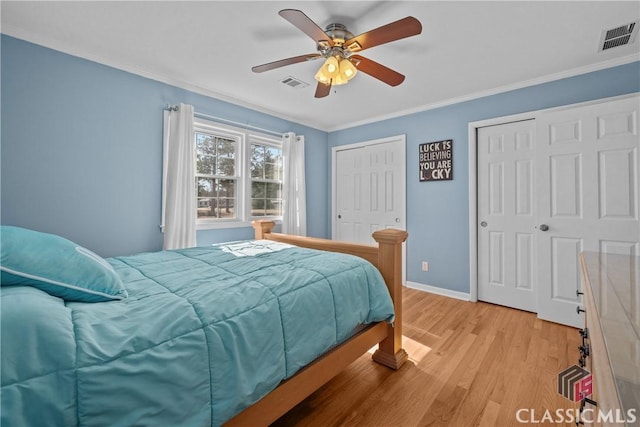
(397,30)
(378,71)
(322,90)
(306,25)
(283,62)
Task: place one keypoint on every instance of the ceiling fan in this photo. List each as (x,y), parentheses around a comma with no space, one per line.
(338,47)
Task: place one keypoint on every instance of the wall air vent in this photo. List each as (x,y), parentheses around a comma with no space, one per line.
(619,36)
(293,82)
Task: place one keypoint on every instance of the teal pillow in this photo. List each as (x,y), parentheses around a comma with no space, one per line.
(57,266)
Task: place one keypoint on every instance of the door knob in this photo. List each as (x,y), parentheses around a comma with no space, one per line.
(397,219)
(483,224)
(544,227)
(339,216)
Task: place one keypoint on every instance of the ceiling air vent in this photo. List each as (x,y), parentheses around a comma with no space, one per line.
(619,36)
(293,82)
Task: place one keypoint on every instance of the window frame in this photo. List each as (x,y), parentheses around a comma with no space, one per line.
(242,177)
(268,142)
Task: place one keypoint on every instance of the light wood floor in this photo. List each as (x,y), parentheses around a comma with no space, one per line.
(470,364)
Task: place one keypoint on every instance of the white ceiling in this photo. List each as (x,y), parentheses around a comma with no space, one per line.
(466,49)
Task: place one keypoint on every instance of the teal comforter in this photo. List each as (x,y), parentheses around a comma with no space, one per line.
(205,333)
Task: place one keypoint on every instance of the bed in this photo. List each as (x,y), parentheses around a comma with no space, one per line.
(233,334)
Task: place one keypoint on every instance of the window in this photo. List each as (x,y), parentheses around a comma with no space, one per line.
(238,175)
(216,175)
(266,179)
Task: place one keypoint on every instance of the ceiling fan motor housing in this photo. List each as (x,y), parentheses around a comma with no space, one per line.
(339,34)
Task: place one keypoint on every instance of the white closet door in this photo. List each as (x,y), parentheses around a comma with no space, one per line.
(506,233)
(587,187)
(370,190)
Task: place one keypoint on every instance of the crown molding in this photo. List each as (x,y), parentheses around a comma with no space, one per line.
(497,90)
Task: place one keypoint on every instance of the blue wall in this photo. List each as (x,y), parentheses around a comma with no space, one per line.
(82,151)
(438,212)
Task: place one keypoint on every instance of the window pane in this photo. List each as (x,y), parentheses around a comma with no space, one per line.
(206,165)
(266,164)
(214,208)
(215,155)
(257,207)
(216,197)
(226,151)
(257,161)
(205,207)
(206,187)
(204,144)
(273,154)
(258,190)
(269,171)
(273,171)
(273,207)
(226,166)
(227,188)
(226,208)
(226,148)
(273,163)
(205,154)
(273,190)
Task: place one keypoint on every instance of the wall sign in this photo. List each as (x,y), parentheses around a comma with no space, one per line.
(436,161)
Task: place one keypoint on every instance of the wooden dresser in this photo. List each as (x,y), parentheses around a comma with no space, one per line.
(611,349)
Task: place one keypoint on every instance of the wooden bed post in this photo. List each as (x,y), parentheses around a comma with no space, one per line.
(390,352)
(262,227)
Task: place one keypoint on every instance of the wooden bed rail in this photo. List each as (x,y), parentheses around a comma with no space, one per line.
(263,231)
(387,257)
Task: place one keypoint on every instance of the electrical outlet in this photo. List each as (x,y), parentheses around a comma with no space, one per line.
(425,266)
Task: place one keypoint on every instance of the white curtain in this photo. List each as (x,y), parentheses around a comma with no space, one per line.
(178,179)
(294,215)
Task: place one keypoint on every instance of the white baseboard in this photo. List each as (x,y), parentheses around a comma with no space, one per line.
(439,291)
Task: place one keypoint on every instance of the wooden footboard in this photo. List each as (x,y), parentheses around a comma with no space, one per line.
(387,257)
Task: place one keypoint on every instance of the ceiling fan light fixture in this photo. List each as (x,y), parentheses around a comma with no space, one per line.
(331,65)
(339,80)
(347,72)
(347,69)
(322,77)
(329,70)
(336,72)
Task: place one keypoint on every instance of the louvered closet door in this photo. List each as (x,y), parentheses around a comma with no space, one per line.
(506,233)
(587,181)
